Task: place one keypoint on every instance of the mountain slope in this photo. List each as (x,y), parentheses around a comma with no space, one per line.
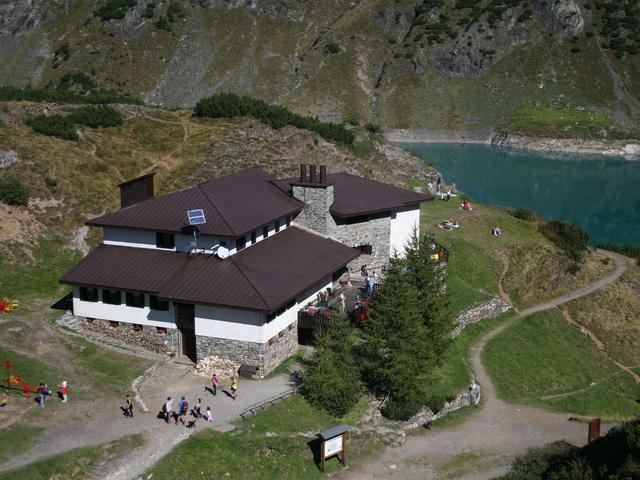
(439,64)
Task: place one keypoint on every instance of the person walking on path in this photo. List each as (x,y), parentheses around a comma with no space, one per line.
(183,409)
(198,409)
(64,390)
(234,387)
(168,409)
(41,395)
(209,415)
(214,384)
(129,407)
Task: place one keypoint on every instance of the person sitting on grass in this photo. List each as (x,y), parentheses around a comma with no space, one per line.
(496,231)
(466,206)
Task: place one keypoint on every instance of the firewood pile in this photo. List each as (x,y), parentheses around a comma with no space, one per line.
(222,367)
(126,334)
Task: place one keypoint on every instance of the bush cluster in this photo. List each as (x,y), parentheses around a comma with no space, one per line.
(571,238)
(63,96)
(13,191)
(231,105)
(114,9)
(79,79)
(64,126)
(524,214)
(615,456)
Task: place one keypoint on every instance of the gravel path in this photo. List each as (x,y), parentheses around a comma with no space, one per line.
(107,422)
(492,436)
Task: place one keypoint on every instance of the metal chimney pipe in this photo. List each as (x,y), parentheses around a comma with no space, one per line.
(303,173)
(312,174)
(323,174)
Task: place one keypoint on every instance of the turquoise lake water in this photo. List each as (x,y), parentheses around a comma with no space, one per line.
(599,193)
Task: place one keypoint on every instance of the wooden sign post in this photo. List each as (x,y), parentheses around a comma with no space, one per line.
(334,443)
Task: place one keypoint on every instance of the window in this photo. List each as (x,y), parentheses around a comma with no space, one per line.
(157,304)
(254,237)
(366,249)
(265,231)
(112,297)
(88,294)
(277,229)
(241,243)
(135,300)
(288,220)
(165,240)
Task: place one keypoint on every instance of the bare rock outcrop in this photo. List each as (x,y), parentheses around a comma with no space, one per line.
(561,16)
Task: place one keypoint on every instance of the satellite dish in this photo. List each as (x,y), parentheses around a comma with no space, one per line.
(222,252)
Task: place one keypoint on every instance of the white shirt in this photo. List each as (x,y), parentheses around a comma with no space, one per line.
(169,405)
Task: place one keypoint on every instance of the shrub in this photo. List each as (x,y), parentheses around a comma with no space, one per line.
(373,127)
(54,126)
(230,105)
(149,10)
(331,380)
(333,48)
(174,12)
(163,24)
(83,80)
(436,402)
(403,406)
(524,214)
(114,9)
(97,116)
(571,238)
(50,182)
(13,191)
(63,96)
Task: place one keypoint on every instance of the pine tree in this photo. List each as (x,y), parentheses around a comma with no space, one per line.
(393,345)
(331,380)
(428,279)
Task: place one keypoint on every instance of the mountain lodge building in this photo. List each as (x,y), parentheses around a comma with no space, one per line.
(230,277)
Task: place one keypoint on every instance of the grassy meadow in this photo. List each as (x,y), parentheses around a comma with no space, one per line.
(543,360)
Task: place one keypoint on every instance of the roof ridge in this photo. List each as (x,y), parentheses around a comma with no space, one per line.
(266,304)
(199,186)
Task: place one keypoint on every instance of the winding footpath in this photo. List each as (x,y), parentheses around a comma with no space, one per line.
(491,437)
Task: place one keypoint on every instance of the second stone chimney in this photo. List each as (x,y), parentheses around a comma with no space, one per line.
(317,195)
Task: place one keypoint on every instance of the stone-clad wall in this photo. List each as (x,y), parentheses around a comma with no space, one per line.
(375,232)
(315,214)
(265,356)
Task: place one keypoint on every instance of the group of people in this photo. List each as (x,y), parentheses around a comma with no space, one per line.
(43,392)
(370,282)
(183,411)
(447,225)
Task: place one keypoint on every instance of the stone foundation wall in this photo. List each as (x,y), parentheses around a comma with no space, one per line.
(481,311)
(265,356)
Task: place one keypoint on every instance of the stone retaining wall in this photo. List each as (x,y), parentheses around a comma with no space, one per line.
(480,311)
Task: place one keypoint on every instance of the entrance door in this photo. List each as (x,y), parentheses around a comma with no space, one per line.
(185,321)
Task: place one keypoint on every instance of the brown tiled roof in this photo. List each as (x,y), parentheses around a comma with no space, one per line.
(261,277)
(353,195)
(233,206)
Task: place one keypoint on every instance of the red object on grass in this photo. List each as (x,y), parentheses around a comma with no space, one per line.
(12,378)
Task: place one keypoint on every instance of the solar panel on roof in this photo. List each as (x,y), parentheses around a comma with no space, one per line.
(196,217)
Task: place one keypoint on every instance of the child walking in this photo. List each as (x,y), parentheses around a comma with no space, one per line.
(209,415)
(64,390)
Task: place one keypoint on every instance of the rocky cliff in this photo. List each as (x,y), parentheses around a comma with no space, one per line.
(437,64)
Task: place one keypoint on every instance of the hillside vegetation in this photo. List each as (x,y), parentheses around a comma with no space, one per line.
(435,64)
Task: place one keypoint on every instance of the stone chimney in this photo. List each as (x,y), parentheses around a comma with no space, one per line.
(136,190)
(317,195)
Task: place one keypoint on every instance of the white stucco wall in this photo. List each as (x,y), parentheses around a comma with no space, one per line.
(248,326)
(403,223)
(129,237)
(122,313)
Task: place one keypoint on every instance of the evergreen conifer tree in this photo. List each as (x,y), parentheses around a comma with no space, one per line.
(428,279)
(331,380)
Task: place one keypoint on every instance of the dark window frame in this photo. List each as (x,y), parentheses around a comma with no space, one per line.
(265,231)
(89,294)
(165,240)
(156,304)
(132,299)
(254,237)
(241,243)
(365,249)
(288,221)
(277,226)
(111,297)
